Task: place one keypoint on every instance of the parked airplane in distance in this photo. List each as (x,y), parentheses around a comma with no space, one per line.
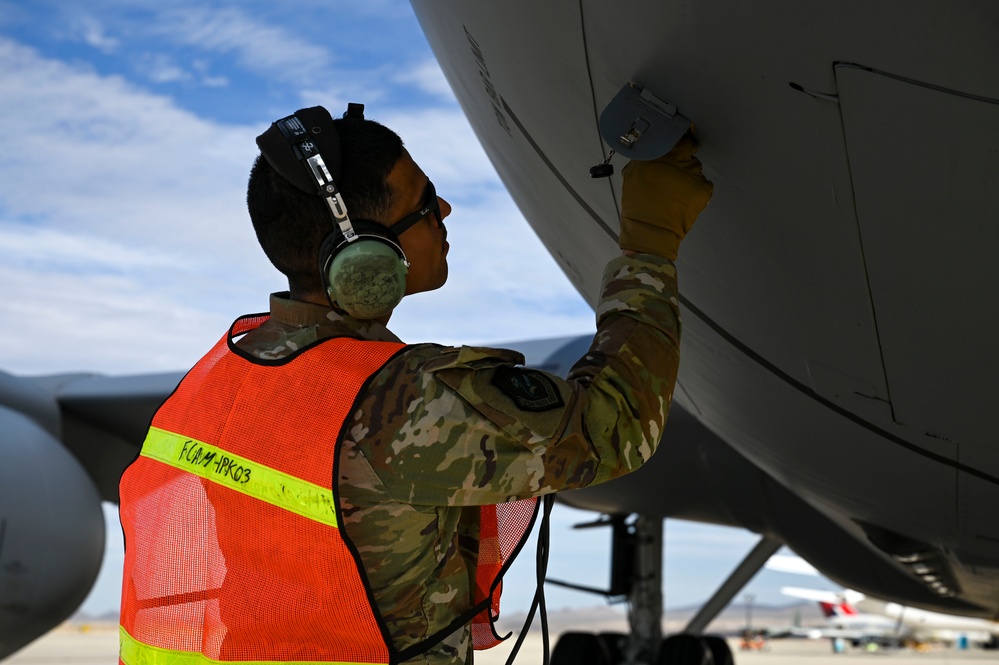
(854,616)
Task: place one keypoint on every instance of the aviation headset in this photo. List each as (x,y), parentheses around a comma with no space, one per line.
(361,262)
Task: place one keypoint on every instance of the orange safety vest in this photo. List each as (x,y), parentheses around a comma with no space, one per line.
(230,517)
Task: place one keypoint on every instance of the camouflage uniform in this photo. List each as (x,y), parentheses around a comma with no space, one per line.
(440,429)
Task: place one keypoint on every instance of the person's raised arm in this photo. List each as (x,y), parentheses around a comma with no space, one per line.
(478,429)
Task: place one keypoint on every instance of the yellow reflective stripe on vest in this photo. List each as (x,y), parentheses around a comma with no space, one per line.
(133,652)
(240,474)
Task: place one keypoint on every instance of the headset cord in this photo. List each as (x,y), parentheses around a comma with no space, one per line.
(544,542)
(544,539)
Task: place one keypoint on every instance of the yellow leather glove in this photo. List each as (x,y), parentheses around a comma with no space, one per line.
(661,199)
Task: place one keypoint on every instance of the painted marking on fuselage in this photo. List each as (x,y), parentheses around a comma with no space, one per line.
(494,97)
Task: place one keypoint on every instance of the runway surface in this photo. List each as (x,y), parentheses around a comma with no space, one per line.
(98,645)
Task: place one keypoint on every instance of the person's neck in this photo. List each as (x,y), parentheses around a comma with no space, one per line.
(313,298)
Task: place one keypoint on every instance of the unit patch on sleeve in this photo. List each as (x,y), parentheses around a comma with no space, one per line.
(530,389)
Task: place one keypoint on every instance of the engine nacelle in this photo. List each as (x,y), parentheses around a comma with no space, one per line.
(51,523)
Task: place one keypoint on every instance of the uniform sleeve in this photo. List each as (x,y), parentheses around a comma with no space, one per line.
(471,426)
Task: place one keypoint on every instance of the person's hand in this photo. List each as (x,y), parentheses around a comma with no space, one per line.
(661,199)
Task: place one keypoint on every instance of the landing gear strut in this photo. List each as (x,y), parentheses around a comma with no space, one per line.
(645,598)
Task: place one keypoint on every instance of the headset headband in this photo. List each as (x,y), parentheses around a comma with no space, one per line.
(288,146)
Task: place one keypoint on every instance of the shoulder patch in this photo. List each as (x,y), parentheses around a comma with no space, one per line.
(530,389)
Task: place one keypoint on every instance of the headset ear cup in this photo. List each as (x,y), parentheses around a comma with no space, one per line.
(366,278)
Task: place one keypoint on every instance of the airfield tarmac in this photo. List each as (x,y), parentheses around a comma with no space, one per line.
(98,645)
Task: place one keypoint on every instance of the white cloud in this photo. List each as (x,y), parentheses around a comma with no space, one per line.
(266,49)
(428,77)
(119,324)
(51,248)
(160,68)
(444,145)
(214,81)
(93,33)
(208,79)
(351,87)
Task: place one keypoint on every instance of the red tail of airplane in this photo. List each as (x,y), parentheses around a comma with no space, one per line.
(840,609)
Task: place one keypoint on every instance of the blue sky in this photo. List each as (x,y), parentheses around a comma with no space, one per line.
(126,135)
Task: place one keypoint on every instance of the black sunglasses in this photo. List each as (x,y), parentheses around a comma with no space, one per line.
(430,205)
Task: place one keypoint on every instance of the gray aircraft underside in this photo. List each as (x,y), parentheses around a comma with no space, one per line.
(839,292)
(837,361)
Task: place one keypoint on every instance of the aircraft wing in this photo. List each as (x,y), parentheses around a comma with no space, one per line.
(104,420)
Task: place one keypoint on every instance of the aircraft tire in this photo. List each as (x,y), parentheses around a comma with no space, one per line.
(684,650)
(614,645)
(580,649)
(720,651)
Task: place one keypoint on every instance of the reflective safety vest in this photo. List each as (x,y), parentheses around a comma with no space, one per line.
(230,517)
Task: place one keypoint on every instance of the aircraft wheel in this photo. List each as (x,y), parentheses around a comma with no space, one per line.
(685,650)
(580,649)
(720,651)
(614,645)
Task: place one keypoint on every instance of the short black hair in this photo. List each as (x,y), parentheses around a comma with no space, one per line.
(291,224)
